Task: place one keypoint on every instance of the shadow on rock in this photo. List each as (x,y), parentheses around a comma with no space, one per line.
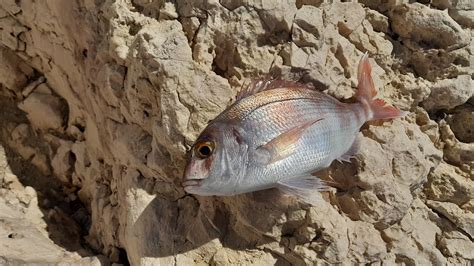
(167,228)
(66,217)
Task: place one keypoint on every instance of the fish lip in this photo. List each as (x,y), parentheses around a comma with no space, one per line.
(192,183)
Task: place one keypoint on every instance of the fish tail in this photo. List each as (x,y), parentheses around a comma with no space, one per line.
(374,108)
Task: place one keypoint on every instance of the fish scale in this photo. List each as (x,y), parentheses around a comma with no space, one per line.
(316,147)
(276,134)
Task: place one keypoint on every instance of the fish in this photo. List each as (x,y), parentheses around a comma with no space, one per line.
(277,133)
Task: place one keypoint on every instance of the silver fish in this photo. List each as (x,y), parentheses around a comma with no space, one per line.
(276,134)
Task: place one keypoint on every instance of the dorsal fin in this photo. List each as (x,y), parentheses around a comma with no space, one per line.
(264,84)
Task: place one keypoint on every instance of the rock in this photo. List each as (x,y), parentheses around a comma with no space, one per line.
(369,245)
(316,3)
(63,162)
(213,41)
(407,91)
(226,256)
(17,239)
(115,92)
(410,21)
(449,93)
(23,226)
(276,16)
(385,159)
(123,135)
(463,17)
(295,56)
(308,26)
(428,126)
(332,240)
(347,16)
(469,206)
(445,184)
(190,27)
(12,33)
(45,111)
(168,11)
(383,5)
(453,4)
(461,122)
(464,220)
(422,231)
(149,8)
(456,244)
(378,21)
(456,152)
(14,74)
(365,39)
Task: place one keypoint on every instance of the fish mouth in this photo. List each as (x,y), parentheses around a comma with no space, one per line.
(191,183)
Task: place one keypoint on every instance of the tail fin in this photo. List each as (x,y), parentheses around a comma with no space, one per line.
(366,93)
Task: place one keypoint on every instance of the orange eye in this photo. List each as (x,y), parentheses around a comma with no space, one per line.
(204,149)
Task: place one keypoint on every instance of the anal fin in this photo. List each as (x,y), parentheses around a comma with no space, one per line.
(305,188)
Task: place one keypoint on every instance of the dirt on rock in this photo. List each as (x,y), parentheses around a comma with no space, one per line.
(100,100)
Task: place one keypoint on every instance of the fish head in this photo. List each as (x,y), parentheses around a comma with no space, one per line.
(216,161)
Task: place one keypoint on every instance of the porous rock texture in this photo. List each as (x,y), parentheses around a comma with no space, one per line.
(100,100)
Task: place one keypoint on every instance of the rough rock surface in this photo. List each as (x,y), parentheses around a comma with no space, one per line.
(24,225)
(101,99)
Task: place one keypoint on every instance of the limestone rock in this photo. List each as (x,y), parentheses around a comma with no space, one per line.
(14,74)
(456,244)
(422,24)
(277,16)
(460,122)
(316,3)
(226,256)
(347,16)
(446,185)
(463,17)
(22,228)
(428,126)
(383,5)
(379,22)
(378,170)
(454,4)
(308,26)
(45,111)
(365,39)
(100,100)
(449,93)
(423,230)
(463,219)
(457,152)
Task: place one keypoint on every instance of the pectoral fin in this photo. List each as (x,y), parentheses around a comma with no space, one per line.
(284,145)
(305,188)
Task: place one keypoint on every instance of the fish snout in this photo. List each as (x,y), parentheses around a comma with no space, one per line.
(195,170)
(192,178)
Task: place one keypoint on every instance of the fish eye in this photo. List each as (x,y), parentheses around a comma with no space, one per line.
(204,149)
